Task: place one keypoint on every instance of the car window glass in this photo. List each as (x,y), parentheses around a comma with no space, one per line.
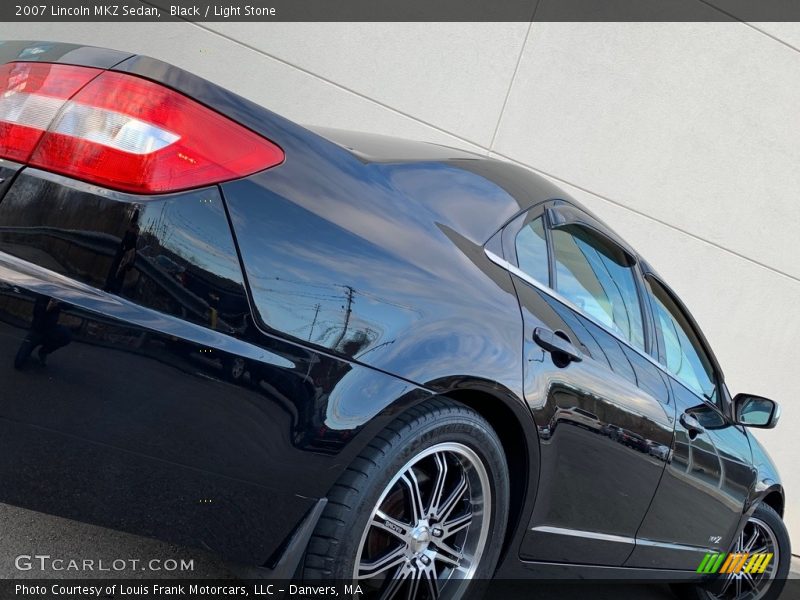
(532,251)
(598,280)
(684,356)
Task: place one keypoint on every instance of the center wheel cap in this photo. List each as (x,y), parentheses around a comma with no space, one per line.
(420,538)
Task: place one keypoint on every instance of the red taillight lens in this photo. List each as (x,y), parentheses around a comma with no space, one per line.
(130,134)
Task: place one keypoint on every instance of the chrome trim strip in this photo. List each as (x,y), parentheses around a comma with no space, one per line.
(592,535)
(619,539)
(672,546)
(556,296)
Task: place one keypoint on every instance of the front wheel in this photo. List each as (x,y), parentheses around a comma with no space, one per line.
(763,534)
(414,514)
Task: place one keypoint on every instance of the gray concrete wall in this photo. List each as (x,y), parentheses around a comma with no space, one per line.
(684,137)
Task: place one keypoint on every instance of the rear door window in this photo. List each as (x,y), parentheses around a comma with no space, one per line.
(596,278)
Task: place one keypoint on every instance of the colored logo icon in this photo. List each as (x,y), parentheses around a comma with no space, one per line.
(735,562)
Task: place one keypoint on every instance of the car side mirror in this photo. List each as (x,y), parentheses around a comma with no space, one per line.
(755,411)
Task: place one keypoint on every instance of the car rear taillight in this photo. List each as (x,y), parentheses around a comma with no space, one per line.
(31,94)
(120,131)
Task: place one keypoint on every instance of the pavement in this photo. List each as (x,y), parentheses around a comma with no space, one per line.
(28,533)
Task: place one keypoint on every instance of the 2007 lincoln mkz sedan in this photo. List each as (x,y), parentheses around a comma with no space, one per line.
(344,356)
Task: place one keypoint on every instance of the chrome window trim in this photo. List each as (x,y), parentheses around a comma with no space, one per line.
(513,269)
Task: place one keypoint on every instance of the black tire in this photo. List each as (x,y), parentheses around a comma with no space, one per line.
(767,515)
(336,545)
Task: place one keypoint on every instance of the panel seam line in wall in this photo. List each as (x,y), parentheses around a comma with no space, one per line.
(513,77)
(748,24)
(392,109)
(651,218)
(773,37)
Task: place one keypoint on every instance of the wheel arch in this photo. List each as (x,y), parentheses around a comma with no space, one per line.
(775,500)
(509,416)
(767,486)
(514,426)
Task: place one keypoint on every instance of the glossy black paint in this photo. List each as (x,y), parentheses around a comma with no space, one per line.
(226,352)
(605,426)
(167,414)
(58,52)
(709,471)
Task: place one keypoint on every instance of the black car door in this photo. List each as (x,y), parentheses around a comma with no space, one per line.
(701,498)
(602,409)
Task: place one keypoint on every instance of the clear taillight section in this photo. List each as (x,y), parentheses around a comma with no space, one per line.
(120,131)
(31,94)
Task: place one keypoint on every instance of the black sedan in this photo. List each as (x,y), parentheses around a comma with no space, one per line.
(349,357)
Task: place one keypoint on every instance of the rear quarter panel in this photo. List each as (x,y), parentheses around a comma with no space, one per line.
(375,293)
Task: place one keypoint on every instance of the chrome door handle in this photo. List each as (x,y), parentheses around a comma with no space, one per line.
(691,424)
(556,343)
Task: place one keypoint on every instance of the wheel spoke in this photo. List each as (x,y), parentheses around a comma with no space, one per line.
(438,488)
(452,501)
(429,575)
(409,478)
(450,562)
(413,586)
(453,526)
(390,525)
(395,583)
(749,546)
(728,581)
(748,579)
(448,555)
(391,559)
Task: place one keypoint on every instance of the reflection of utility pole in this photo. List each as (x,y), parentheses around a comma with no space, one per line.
(348,311)
(314,322)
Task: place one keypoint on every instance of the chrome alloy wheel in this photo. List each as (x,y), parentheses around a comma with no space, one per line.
(756,537)
(429,527)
